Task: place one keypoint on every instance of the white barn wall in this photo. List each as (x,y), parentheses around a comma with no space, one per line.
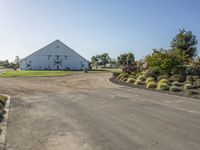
(55,56)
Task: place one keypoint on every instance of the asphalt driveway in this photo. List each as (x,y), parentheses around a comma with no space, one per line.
(87,112)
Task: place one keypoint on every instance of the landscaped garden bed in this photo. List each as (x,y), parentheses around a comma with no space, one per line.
(3,100)
(189,88)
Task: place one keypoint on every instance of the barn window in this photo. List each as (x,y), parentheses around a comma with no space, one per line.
(49,56)
(65,57)
(57,46)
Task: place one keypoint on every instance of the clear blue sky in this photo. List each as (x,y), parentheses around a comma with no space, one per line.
(94,26)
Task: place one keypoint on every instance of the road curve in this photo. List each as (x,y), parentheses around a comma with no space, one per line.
(87,112)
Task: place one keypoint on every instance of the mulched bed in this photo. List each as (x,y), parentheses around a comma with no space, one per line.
(181,93)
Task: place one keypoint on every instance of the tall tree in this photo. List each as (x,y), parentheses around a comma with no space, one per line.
(185,42)
(95,60)
(130,58)
(125,59)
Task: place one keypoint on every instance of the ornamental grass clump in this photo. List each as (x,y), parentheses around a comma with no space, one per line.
(162,86)
(131,80)
(139,82)
(164,81)
(124,74)
(3,100)
(149,79)
(192,92)
(175,89)
(141,77)
(124,79)
(176,83)
(151,84)
(187,87)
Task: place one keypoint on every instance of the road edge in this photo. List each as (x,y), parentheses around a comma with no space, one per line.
(4,124)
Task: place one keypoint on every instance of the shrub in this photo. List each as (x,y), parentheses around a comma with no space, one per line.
(131,80)
(187,87)
(175,89)
(141,77)
(176,83)
(3,99)
(163,86)
(149,79)
(151,84)
(139,82)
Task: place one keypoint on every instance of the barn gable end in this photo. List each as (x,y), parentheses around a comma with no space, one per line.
(55,56)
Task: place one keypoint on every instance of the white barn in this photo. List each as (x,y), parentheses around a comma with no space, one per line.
(55,56)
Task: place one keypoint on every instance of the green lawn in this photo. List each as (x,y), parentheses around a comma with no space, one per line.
(27,73)
(105,70)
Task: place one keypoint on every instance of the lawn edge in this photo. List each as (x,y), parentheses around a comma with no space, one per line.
(4,124)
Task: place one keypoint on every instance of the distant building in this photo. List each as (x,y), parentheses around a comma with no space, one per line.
(55,56)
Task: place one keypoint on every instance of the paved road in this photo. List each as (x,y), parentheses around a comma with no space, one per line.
(87,112)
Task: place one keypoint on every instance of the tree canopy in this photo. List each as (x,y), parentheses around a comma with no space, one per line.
(185,42)
(101,59)
(164,61)
(125,59)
